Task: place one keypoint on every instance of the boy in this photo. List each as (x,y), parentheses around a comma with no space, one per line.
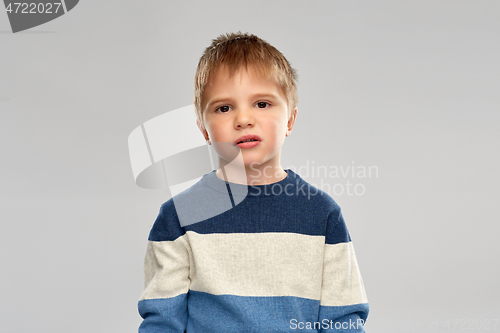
(277,256)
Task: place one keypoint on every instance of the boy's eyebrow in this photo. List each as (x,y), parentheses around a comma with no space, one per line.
(265,95)
(260,95)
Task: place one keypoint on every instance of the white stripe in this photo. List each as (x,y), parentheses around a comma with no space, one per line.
(254,264)
(166,269)
(257,264)
(342,282)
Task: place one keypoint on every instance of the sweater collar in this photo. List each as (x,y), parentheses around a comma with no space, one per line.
(278,188)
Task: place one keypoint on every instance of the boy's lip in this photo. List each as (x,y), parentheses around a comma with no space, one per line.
(247,137)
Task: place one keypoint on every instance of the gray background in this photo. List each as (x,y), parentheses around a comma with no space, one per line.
(411,87)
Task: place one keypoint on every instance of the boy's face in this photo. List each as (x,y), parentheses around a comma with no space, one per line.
(247,104)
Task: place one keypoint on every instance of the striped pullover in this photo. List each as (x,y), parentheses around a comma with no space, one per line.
(227,257)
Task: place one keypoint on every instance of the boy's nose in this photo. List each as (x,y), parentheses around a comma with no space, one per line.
(244,118)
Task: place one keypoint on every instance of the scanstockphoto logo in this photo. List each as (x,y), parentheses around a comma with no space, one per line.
(28,14)
(169,152)
(347,179)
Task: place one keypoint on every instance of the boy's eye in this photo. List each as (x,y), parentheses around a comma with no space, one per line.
(262,105)
(223,108)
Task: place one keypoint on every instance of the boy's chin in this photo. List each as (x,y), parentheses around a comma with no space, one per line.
(249,164)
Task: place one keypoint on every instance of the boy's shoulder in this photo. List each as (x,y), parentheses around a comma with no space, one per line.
(166,226)
(184,208)
(312,195)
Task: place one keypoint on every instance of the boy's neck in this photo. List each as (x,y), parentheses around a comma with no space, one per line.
(260,175)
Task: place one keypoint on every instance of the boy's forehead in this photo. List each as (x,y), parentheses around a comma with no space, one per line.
(223,73)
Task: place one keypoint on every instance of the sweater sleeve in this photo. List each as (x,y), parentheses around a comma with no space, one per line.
(343,305)
(163,303)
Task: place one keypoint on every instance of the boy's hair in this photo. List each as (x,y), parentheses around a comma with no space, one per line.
(234,50)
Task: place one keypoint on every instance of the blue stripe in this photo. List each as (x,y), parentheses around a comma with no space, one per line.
(163,315)
(166,226)
(228,313)
(274,214)
(349,318)
(336,229)
(317,215)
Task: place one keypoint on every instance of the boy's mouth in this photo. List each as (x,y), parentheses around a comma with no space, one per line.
(247,138)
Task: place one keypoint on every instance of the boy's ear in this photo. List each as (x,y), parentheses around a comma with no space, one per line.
(291,121)
(203,131)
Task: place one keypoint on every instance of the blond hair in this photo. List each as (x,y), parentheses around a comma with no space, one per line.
(233,50)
